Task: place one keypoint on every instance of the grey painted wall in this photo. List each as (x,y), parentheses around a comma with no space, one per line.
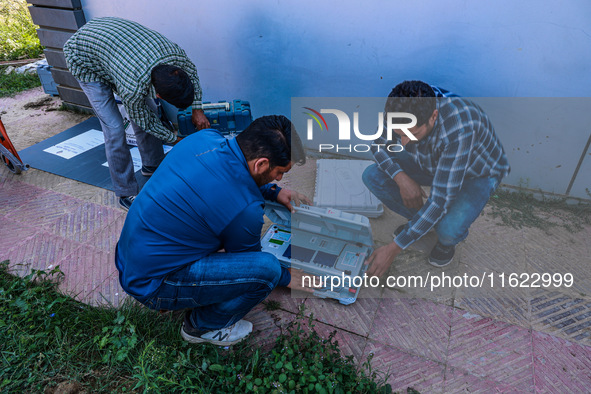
(268,51)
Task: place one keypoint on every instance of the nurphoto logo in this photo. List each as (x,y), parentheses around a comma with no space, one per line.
(344,130)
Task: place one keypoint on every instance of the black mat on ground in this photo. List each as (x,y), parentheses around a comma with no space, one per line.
(86,166)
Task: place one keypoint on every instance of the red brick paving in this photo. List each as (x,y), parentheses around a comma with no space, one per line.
(528,342)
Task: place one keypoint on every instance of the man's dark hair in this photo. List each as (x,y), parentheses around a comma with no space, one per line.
(173,85)
(403,98)
(273,137)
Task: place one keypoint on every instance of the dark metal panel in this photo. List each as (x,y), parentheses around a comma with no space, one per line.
(73,96)
(63,77)
(80,108)
(70,4)
(56,18)
(53,38)
(55,58)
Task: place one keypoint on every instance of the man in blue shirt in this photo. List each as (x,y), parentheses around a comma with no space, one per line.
(453,149)
(191,239)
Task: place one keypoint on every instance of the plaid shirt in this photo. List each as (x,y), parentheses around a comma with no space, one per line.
(122,54)
(461,145)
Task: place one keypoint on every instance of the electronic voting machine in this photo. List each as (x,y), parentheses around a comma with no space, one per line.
(323,242)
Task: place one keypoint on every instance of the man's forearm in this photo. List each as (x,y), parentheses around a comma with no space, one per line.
(401,178)
(398,175)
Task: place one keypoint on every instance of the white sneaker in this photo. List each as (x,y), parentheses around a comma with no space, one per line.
(222,337)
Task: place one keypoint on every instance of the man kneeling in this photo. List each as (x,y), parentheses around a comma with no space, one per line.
(207,195)
(453,148)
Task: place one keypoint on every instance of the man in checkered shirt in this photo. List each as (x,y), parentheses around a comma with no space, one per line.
(453,149)
(116,55)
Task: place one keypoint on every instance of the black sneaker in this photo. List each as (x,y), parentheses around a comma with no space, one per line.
(441,255)
(148,170)
(227,336)
(126,202)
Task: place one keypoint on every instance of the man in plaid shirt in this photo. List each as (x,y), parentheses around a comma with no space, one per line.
(116,55)
(453,149)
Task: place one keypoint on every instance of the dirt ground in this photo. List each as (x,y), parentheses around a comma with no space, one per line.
(33,116)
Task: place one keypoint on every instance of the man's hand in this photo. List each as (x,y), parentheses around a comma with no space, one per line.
(286,196)
(381,259)
(177,138)
(411,192)
(296,280)
(199,120)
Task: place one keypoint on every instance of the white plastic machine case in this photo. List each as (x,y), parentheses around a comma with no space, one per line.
(323,242)
(339,185)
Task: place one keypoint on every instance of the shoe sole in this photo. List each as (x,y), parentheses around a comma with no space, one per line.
(148,174)
(192,339)
(435,264)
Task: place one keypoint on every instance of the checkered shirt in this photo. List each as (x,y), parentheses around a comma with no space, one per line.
(122,54)
(462,144)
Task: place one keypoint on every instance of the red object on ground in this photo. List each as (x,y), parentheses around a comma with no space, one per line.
(8,153)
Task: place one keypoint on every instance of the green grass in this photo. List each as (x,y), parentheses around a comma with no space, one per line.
(13,83)
(520,209)
(48,339)
(19,41)
(19,37)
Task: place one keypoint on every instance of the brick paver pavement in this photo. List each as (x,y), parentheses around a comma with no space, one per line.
(448,340)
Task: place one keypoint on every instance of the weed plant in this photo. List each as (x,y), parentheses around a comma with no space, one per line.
(13,83)
(48,339)
(19,37)
(522,209)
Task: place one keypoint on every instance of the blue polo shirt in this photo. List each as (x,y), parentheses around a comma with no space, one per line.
(202,198)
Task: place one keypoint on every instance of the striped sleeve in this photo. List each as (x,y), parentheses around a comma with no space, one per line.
(384,160)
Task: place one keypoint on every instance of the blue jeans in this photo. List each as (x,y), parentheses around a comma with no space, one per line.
(220,288)
(119,159)
(463,211)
